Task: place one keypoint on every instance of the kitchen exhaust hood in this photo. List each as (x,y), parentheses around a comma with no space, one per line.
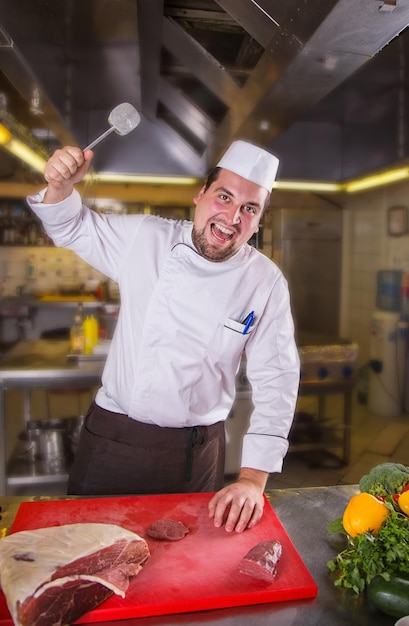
(201,73)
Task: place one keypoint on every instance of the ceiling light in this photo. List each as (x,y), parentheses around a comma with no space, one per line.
(5,135)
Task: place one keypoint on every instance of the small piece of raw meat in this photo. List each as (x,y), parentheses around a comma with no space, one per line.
(261,561)
(167,529)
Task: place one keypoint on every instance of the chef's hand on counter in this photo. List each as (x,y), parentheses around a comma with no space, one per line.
(63,170)
(240,505)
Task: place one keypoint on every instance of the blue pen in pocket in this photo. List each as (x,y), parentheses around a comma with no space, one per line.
(248,322)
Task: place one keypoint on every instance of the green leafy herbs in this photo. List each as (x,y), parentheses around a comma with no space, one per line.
(385,553)
(336,526)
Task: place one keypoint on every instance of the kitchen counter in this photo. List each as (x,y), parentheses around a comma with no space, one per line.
(44,363)
(304,514)
(41,364)
(9,305)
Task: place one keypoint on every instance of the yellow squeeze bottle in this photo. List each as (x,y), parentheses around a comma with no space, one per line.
(91,333)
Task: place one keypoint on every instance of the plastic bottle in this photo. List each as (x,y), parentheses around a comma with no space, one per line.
(95,330)
(90,325)
(31,267)
(77,336)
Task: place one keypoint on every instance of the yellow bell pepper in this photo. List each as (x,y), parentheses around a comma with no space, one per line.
(364,513)
(403,502)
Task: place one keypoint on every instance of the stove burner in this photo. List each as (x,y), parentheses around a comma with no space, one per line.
(333,362)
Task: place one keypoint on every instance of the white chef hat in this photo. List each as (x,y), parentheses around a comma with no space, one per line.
(250,162)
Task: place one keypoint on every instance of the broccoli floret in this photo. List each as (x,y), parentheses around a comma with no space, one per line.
(385,479)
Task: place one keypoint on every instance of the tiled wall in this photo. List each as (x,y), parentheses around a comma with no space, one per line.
(368,248)
(40,269)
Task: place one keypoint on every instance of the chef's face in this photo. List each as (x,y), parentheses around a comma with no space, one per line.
(227,214)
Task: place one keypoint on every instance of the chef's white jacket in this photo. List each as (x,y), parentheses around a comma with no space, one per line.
(179,338)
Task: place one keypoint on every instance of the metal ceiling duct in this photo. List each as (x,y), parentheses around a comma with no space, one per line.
(201,73)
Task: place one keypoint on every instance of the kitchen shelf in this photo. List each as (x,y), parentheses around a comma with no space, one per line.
(342,427)
(19,226)
(322,452)
(31,365)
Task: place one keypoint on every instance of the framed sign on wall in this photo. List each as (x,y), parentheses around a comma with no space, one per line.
(397,220)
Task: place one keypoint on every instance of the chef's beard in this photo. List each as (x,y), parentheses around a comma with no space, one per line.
(209,252)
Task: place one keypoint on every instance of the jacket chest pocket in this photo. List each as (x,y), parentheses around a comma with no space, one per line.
(244,328)
(228,341)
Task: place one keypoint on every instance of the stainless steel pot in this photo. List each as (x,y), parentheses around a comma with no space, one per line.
(48,439)
(51,444)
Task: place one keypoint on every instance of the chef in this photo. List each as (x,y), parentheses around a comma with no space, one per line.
(195,298)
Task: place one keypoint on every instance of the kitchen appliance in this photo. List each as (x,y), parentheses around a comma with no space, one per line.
(388,290)
(307,248)
(387,351)
(45,443)
(326,358)
(328,365)
(199,572)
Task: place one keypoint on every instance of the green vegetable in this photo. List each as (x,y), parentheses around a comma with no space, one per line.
(367,555)
(390,595)
(385,479)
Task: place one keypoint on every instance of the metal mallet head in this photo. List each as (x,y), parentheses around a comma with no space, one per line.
(123,119)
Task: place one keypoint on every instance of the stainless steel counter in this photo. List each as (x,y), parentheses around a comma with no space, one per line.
(8,305)
(41,363)
(305,514)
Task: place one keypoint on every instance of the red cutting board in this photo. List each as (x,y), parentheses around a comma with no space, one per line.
(199,572)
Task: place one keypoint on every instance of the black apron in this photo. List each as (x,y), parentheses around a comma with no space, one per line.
(118,455)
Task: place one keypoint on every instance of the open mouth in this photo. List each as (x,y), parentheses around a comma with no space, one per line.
(221,233)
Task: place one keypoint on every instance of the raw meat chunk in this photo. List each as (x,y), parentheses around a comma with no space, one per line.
(52,576)
(167,529)
(262,560)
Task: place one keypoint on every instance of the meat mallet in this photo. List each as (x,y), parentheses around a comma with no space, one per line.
(123,119)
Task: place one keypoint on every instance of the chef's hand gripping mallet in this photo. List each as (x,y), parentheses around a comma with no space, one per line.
(123,119)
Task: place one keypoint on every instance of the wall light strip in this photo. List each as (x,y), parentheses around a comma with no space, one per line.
(20,150)
(106,177)
(364,183)
(376,180)
(31,157)
(303,185)
(183,180)
(26,154)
